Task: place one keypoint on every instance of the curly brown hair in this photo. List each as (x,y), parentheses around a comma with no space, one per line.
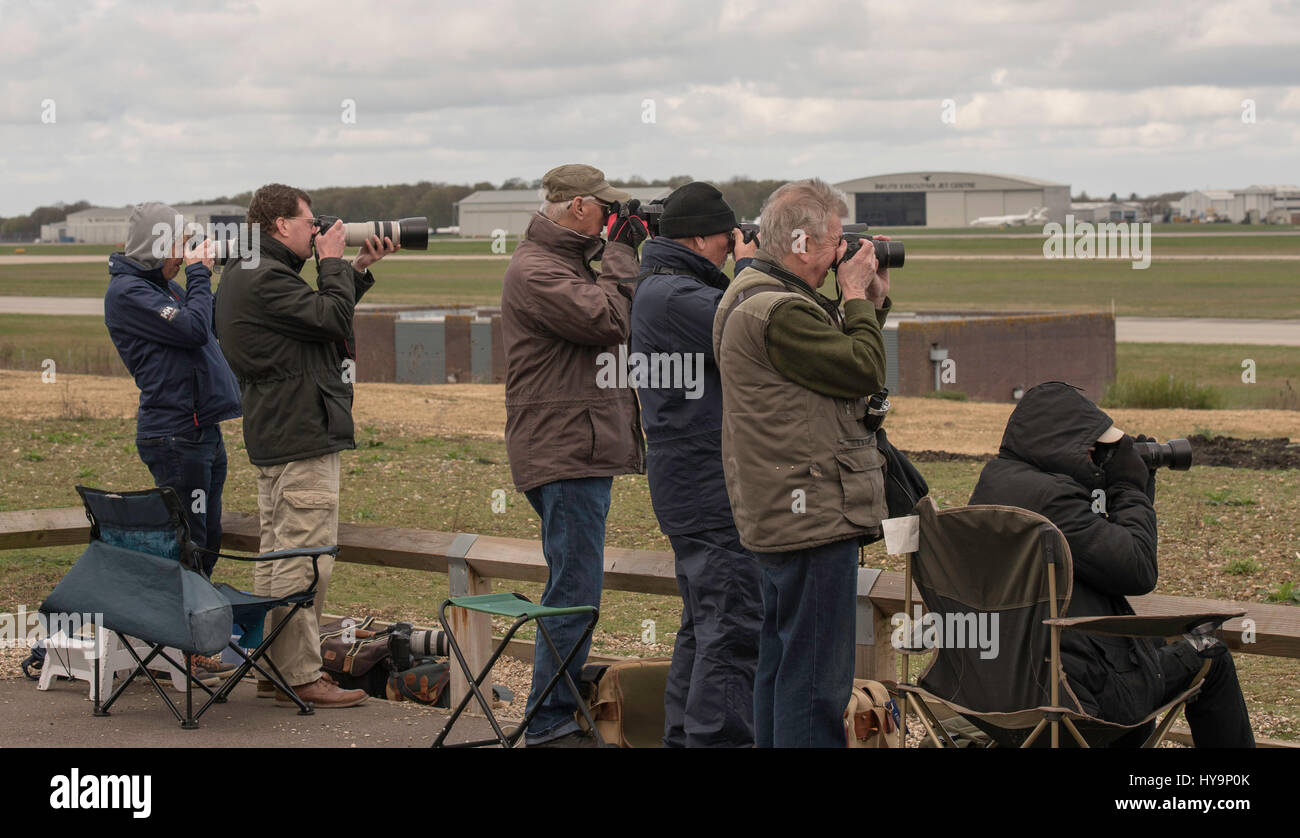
(275,200)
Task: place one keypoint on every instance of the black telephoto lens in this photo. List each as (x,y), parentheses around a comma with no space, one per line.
(1176,454)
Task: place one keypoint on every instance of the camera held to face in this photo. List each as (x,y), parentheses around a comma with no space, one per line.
(649,213)
(889,254)
(1176,454)
(407,233)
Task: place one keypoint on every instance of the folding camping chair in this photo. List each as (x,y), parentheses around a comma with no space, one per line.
(141,573)
(990,560)
(522,609)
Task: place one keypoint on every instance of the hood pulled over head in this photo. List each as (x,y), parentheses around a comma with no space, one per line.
(1052,429)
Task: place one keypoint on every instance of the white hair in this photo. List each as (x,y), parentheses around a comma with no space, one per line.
(799,210)
(555,210)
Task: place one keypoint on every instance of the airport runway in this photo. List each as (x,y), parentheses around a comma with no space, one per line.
(1127,329)
(912,256)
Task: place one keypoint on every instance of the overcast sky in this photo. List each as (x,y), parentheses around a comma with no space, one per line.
(120,102)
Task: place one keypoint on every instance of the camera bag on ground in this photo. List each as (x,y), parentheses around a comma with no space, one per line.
(626,700)
(425,683)
(356,656)
(869,720)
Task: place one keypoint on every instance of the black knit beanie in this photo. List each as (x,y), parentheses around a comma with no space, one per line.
(696,209)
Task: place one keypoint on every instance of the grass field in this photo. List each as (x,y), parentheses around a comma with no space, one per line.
(1223,532)
(1256,289)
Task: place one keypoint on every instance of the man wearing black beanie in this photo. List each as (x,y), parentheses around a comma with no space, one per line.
(709,697)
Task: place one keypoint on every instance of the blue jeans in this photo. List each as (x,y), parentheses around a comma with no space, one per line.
(709,697)
(573,540)
(805,651)
(190,462)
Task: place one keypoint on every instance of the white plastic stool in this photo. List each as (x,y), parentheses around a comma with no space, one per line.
(67,657)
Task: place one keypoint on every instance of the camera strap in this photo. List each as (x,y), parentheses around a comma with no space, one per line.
(794,283)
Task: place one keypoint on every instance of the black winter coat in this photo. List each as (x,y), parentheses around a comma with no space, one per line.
(286,342)
(1044,466)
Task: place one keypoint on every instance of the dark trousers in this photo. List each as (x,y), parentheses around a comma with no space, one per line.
(1217,715)
(709,697)
(805,654)
(194,465)
(573,541)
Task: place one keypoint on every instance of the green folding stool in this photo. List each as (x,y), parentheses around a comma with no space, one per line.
(522,609)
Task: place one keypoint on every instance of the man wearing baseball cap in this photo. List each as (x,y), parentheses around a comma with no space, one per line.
(709,698)
(566,437)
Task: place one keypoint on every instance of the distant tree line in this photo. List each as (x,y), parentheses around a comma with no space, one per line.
(435,200)
(30,225)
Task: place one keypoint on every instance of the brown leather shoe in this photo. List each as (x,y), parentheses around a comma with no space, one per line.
(324,696)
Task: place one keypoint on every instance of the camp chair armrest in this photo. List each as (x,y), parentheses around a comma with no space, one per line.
(1143,626)
(314,552)
(279,554)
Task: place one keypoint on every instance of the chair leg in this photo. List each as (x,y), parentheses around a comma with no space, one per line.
(251,663)
(1162,729)
(1074,731)
(190,723)
(564,670)
(930,723)
(1033,736)
(474,685)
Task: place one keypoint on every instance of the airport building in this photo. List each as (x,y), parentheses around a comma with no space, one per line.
(480,213)
(107,225)
(1270,204)
(1096,212)
(950,199)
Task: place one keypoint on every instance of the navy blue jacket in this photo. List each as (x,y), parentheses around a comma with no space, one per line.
(164,334)
(673,312)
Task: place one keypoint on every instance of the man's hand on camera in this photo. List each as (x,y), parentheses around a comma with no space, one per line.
(200,252)
(1126,465)
(330,244)
(740,249)
(372,251)
(879,288)
(859,273)
(629,229)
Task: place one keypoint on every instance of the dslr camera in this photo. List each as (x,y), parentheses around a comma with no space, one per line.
(1176,454)
(648,213)
(889,254)
(407,233)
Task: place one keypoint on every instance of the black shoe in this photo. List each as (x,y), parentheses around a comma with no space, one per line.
(576,739)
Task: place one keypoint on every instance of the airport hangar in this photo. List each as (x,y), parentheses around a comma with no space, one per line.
(483,212)
(949,199)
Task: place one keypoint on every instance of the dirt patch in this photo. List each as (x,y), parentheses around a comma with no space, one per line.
(1279,453)
(478,410)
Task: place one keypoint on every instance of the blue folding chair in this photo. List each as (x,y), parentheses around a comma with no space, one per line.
(142,573)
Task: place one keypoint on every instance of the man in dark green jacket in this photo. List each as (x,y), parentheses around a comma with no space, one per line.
(290,346)
(803,474)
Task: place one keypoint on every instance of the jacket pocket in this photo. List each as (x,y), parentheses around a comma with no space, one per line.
(337,409)
(862,479)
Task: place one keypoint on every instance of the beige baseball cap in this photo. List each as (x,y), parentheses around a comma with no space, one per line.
(577,180)
(1111,434)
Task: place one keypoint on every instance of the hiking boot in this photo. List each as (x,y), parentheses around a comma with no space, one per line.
(325,695)
(214,665)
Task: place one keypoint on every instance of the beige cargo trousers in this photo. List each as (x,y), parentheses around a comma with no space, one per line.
(298,503)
